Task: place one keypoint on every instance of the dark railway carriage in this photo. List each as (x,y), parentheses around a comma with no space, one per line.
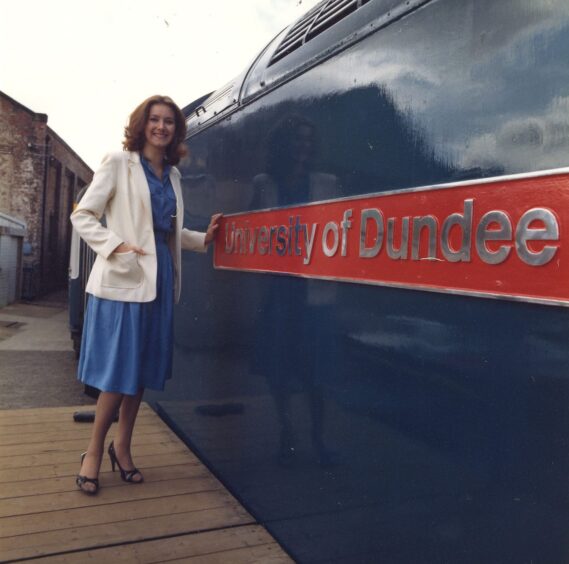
(378,366)
(80,262)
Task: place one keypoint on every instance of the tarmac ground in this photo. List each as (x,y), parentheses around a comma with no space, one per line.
(37,362)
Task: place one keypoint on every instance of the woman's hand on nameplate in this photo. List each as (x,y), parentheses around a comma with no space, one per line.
(212,228)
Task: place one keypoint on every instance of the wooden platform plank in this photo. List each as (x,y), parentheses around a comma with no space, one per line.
(266,554)
(78,444)
(65,429)
(131,530)
(59,484)
(179,547)
(34,473)
(181,510)
(53,432)
(53,414)
(164,446)
(113,512)
(121,492)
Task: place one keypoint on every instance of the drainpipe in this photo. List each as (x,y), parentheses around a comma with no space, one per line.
(47,155)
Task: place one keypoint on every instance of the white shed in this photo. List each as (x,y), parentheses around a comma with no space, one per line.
(12,233)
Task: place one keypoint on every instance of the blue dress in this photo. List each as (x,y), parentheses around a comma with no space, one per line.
(128,345)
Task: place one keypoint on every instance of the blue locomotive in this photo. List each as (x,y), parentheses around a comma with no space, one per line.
(378,366)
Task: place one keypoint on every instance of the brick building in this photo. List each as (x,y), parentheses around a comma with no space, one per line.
(40,175)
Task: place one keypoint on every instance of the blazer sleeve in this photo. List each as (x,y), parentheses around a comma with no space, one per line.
(193,241)
(86,217)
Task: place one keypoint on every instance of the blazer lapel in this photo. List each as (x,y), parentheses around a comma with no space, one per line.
(175,180)
(139,181)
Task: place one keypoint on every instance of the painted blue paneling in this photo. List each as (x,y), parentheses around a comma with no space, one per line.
(368,424)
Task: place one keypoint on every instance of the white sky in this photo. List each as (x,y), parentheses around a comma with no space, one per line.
(88,64)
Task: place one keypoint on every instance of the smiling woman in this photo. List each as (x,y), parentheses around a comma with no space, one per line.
(128,333)
(159,123)
(159,130)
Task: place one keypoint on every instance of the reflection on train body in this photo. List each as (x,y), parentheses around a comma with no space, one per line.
(364,423)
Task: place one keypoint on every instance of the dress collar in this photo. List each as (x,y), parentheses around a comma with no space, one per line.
(148,167)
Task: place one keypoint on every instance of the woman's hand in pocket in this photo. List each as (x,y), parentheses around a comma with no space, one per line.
(126,248)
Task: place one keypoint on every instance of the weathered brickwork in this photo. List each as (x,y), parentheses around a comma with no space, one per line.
(39,177)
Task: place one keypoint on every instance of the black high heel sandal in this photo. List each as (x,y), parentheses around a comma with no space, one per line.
(81,480)
(126,475)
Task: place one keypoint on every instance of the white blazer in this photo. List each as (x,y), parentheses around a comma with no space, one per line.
(120,191)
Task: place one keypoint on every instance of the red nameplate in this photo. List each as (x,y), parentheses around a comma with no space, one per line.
(502,237)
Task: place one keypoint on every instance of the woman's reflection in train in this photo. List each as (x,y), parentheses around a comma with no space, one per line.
(295,312)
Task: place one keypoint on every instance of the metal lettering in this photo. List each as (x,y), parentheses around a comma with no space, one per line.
(464,222)
(282,240)
(419,223)
(272,235)
(240,241)
(297,229)
(483,234)
(253,240)
(263,240)
(392,252)
(375,215)
(290,236)
(346,224)
(309,239)
(525,233)
(229,237)
(331,227)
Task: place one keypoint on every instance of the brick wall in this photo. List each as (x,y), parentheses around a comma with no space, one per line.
(39,178)
(22,137)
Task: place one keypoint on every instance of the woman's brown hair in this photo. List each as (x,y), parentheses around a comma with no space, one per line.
(134,138)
